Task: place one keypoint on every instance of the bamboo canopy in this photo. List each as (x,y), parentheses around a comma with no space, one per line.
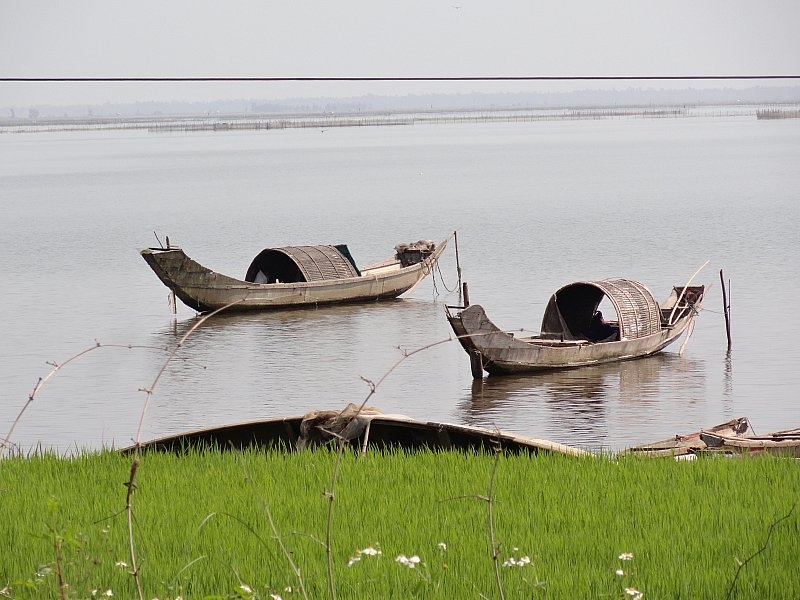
(570,310)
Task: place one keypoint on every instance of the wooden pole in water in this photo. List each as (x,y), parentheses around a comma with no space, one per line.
(726,307)
(458,265)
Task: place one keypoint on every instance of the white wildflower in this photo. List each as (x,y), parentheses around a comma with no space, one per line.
(368,551)
(516,562)
(626,556)
(634,593)
(121,564)
(108,593)
(442,546)
(407,561)
(245,588)
(620,572)
(275,597)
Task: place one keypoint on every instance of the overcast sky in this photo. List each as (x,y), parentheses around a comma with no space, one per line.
(309,38)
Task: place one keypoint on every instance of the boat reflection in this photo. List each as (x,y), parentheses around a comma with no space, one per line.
(248,366)
(576,406)
(728,376)
(632,379)
(308,317)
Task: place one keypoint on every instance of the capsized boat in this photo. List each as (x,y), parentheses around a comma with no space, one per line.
(361,428)
(294,276)
(574,333)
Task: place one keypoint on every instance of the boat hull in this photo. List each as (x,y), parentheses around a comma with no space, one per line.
(691,443)
(500,353)
(376,431)
(787,444)
(205,290)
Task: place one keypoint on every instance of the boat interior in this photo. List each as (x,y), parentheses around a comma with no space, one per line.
(681,302)
(574,316)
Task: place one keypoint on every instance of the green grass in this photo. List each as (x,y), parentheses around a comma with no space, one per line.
(202,525)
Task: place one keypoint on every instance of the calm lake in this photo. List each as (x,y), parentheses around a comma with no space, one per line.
(536,205)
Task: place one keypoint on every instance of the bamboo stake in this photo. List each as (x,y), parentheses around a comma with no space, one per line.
(726,307)
(458,265)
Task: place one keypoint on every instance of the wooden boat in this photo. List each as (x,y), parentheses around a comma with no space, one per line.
(362,429)
(294,276)
(691,442)
(573,332)
(784,443)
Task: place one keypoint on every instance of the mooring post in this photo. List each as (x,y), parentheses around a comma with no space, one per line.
(458,265)
(726,307)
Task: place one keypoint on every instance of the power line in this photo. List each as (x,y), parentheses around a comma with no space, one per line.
(433,78)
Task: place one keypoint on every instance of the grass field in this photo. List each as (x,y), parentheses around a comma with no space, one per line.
(402,526)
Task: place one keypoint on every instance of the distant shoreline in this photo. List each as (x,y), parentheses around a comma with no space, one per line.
(323,120)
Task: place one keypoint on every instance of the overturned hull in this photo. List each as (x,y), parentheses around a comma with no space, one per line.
(362,430)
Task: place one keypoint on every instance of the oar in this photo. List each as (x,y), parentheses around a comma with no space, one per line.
(689,330)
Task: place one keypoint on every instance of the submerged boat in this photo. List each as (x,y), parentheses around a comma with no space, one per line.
(573,331)
(294,276)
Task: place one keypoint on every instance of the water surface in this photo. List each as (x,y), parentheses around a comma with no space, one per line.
(537,205)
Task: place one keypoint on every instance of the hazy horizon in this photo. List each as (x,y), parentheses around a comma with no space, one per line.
(359,38)
(434,102)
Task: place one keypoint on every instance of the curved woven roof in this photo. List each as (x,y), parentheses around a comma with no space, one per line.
(570,309)
(291,264)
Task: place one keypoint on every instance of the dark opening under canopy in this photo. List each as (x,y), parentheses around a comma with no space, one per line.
(292,264)
(571,309)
